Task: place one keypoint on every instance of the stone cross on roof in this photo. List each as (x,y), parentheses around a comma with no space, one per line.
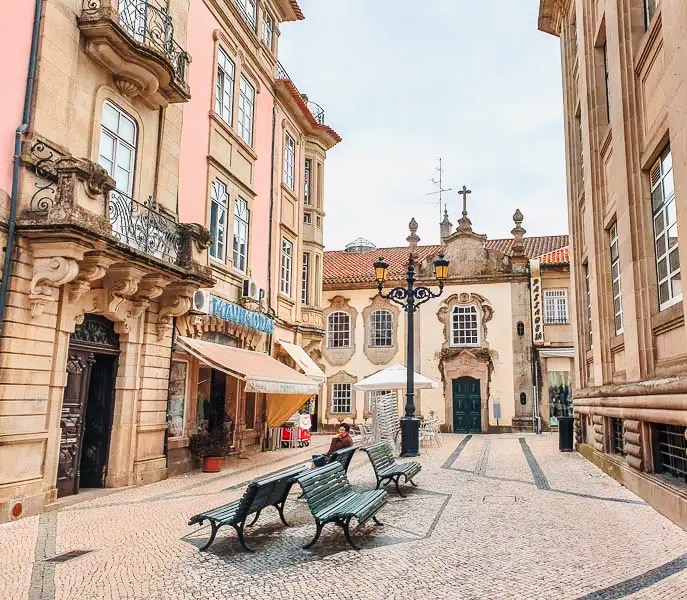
(464,224)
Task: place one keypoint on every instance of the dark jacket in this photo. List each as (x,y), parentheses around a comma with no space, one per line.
(339,443)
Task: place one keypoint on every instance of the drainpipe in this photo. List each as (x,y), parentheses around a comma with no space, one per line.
(19,133)
(269,241)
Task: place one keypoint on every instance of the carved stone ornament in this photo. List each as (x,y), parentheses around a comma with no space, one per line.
(176,301)
(444,314)
(92,268)
(97,181)
(48,275)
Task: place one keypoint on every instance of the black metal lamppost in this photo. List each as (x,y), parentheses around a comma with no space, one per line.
(410,298)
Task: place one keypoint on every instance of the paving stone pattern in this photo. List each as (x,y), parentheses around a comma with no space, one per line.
(494,517)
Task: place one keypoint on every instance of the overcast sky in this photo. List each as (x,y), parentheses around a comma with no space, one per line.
(405,83)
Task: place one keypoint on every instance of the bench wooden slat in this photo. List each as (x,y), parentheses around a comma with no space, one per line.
(331,499)
(258,495)
(387,469)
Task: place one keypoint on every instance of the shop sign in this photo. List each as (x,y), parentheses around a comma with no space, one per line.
(228,311)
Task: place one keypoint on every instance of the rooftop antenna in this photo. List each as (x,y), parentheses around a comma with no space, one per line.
(441,189)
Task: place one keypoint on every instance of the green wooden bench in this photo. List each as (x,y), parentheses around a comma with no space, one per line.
(331,499)
(260,493)
(387,469)
(344,456)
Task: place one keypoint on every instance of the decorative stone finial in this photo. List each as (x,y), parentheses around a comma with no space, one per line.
(413,238)
(518,233)
(445,226)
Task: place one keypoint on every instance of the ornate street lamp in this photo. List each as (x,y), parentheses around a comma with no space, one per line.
(410,298)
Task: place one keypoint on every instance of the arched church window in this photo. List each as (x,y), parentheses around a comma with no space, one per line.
(381,322)
(465,326)
(339,330)
(521,328)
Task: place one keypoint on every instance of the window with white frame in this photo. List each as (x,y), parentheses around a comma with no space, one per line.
(219,207)
(241,232)
(341,398)
(381,332)
(555,307)
(615,279)
(305,283)
(118,141)
(267,29)
(224,86)
(465,326)
(650,7)
(665,231)
(289,161)
(246,108)
(307,218)
(307,178)
(339,330)
(286,266)
(248,10)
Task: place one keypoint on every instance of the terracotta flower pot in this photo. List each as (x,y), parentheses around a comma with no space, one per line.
(212,464)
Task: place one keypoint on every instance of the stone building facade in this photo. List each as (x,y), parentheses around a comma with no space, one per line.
(625,87)
(101,267)
(475,339)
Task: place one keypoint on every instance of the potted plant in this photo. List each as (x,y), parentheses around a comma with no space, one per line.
(211,446)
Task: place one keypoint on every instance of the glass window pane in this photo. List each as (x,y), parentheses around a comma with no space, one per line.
(127,130)
(676,285)
(660,246)
(672,236)
(674,260)
(657,198)
(110,117)
(663,292)
(662,268)
(659,222)
(668,185)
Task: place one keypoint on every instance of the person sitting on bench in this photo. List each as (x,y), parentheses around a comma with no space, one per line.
(341,440)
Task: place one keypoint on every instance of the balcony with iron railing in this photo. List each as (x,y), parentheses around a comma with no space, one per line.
(315,109)
(64,192)
(135,40)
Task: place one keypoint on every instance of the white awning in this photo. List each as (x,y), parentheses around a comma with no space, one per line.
(261,372)
(393,378)
(557,352)
(303,360)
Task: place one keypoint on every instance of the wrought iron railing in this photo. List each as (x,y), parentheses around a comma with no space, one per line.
(145,227)
(315,109)
(149,24)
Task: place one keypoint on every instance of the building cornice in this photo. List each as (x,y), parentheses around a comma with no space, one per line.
(550,16)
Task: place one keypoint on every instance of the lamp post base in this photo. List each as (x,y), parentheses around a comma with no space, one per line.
(410,436)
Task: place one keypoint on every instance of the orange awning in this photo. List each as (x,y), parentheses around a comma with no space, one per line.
(286,388)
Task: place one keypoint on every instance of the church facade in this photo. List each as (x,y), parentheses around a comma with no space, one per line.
(492,339)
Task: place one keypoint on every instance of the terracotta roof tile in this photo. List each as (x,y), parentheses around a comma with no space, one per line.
(343,267)
(556,257)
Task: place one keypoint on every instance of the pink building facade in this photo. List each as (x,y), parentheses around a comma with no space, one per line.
(247,133)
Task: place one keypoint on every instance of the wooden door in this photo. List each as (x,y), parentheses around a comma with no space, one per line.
(79,364)
(467,405)
(98,422)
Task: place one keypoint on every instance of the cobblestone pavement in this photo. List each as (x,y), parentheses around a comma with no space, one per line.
(493,517)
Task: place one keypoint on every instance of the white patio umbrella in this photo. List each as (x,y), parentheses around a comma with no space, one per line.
(393,378)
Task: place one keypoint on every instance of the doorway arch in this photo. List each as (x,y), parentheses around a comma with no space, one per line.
(88,405)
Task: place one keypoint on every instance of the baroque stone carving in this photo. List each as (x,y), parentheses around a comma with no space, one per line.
(340,356)
(176,301)
(92,268)
(486,312)
(48,275)
(380,355)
